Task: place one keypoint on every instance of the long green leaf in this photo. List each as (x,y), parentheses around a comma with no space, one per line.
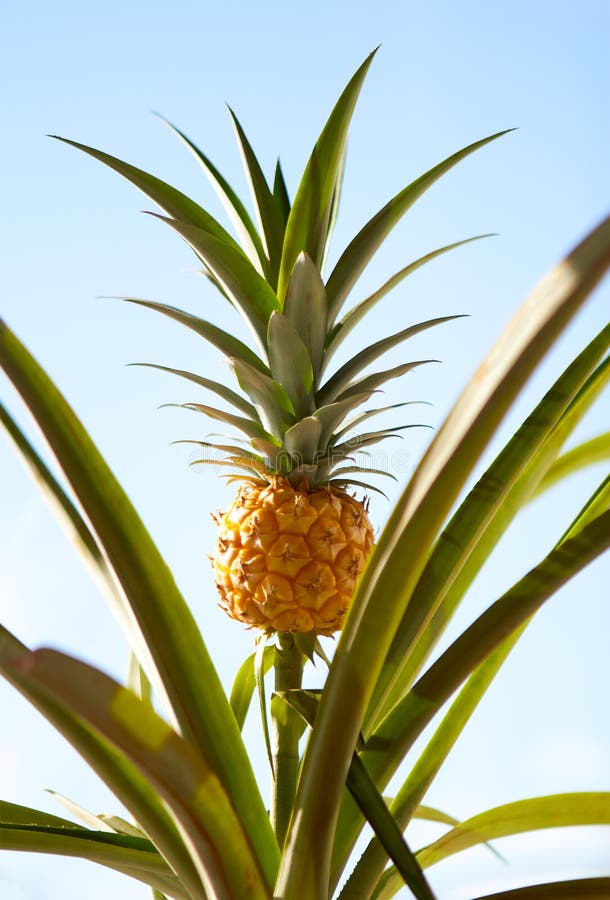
(309,217)
(57,496)
(588,453)
(385,588)
(362,248)
(244,684)
(246,288)
(80,533)
(555,811)
(237,212)
(355,443)
(341,330)
(280,193)
(371,803)
(186,674)
(397,733)
(220,846)
(374,381)
(575,889)
(222,340)
(267,209)
(119,774)
(13,814)
(368,413)
(484,515)
(115,852)
(406,803)
(386,829)
(252,429)
(216,387)
(271,400)
(343,376)
(176,204)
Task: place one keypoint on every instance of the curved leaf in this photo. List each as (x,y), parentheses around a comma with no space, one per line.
(363,247)
(385,587)
(220,389)
(343,376)
(114,851)
(555,811)
(369,413)
(245,683)
(252,429)
(220,847)
(576,889)
(272,402)
(483,516)
(222,340)
(118,773)
(174,203)
(185,673)
(340,331)
(375,380)
(268,212)
(588,453)
(371,437)
(235,209)
(248,291)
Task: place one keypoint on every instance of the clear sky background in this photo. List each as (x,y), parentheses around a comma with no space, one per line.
(446,75)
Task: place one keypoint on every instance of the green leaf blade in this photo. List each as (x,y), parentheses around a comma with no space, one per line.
(308,221)
(175,203)
(362,248)
(184,670)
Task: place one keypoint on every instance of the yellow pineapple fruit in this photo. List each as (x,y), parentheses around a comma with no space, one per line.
(287,559)
(292,544)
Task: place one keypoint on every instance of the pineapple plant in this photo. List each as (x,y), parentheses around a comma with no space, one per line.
(294,541)
(295,559)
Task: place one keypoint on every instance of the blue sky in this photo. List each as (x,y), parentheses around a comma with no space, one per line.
(446,75)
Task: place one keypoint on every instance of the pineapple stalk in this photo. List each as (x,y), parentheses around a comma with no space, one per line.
(286,730)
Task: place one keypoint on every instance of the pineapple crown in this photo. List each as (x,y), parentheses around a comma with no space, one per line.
(295,419)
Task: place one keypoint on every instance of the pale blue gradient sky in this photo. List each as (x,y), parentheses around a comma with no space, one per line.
(447,74)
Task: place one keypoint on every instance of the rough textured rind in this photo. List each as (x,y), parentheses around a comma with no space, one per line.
(288,559)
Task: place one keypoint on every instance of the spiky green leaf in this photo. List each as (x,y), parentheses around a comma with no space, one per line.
(343,377)
(267,210)
(249,292)
(215,386)
(363,247)
(222,340)
(310,213)
(341,329)
(176,204)
(305,306)
(290,363)
(272,402)
(237,212)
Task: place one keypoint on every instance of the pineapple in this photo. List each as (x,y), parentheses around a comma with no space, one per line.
(292,544)
(288,558)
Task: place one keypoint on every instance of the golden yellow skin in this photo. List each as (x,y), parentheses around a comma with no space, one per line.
(287,559)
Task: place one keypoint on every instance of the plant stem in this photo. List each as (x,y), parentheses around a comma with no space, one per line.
(286,729)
